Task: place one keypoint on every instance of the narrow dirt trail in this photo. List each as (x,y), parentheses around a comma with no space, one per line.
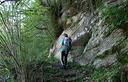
(52,72)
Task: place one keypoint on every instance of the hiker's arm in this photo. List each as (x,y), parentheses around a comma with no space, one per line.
(60,45)
(51,52)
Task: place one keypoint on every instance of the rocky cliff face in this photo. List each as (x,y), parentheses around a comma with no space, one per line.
(101,50)
(90,44)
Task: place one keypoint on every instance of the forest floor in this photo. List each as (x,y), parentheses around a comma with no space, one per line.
(53,72)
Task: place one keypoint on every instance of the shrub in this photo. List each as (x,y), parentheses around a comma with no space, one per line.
(114,15)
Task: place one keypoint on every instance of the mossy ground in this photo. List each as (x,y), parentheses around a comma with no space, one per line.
(52,72)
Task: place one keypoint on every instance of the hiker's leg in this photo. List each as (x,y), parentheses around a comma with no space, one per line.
(66,55)
(66,58)
(62,57)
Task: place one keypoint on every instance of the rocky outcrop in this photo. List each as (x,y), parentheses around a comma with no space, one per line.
(91,45)
(80,35)
(102,50)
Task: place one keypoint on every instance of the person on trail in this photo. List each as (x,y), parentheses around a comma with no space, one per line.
(65,46)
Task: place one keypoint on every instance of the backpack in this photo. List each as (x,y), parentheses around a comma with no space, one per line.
(67,43)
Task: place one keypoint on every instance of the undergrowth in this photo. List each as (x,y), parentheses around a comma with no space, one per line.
(104,74)
(114,15)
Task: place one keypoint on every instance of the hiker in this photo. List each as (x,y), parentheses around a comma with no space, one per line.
(65,46)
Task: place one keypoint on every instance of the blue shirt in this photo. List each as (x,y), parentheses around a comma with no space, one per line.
(60,43)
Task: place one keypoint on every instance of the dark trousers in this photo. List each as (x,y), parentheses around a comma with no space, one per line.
(64,58)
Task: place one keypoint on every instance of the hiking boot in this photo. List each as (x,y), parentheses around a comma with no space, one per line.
(62,67)
(65,67)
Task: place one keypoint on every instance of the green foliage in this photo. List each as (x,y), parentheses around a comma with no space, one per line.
(37,34)
(114,15)
(55,12)
(4,72)
(27,30)
(25,36)
(103,74)
(110,74)
(73,65)
(122,57)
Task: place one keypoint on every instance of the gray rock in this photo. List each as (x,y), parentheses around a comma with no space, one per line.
(91,45)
